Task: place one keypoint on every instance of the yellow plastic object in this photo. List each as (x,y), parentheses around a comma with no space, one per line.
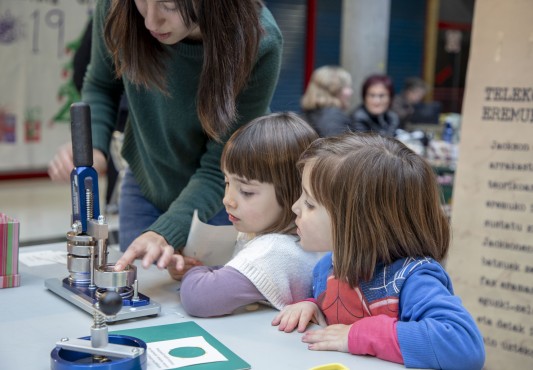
(330,367)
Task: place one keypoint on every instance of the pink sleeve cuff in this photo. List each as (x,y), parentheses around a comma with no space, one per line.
(375,336)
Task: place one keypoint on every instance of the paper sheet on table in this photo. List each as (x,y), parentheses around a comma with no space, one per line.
(213,245)
(41,258)
(187,343)
(176,353)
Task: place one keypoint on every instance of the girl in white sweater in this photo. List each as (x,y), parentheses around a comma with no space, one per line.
(262,183)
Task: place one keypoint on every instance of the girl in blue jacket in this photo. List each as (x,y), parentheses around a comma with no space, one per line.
(382,291)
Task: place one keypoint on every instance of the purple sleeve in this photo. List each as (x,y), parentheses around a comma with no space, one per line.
(216,290)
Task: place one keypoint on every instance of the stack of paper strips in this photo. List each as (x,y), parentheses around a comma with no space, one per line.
(9,252)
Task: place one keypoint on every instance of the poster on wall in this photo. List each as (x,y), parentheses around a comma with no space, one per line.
(491,259)
(38,39)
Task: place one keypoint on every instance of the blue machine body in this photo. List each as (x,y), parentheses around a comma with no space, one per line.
(62,359)
(84,180)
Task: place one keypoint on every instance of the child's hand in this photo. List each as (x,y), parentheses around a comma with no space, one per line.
(298,314)
(180,264)
(331,338)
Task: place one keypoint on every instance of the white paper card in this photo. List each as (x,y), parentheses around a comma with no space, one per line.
(43,258)
(213,245)
(166,354)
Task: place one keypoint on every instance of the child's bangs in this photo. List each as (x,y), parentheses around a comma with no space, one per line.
(246,161)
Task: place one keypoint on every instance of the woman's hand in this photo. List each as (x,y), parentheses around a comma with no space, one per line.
(60,167)
(331,338)
(151,247)
(298,315)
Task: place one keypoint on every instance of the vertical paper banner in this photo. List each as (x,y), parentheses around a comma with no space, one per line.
(491,259)
(9,252)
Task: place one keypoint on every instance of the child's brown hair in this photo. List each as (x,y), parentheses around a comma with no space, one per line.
(383,200)
(267,150)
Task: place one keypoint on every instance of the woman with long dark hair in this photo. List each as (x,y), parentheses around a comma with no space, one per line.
(193,71)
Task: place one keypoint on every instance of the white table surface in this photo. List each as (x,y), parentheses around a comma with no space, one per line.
(33,319)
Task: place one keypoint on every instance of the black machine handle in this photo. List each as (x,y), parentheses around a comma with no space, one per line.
(110,303)
(82,142)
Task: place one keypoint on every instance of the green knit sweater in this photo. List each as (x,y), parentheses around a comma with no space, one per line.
(174,162)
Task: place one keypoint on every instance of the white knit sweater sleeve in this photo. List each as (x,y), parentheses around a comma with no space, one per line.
(278,266)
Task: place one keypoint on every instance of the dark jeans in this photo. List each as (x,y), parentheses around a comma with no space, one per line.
(136,213)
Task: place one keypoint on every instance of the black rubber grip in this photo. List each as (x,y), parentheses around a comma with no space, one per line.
(82,141)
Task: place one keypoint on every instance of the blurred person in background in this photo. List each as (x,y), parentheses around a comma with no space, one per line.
(327,100)
(375,113)
(415,89)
